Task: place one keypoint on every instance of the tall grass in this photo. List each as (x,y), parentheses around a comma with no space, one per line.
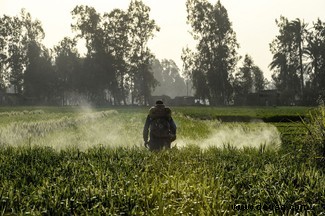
(133,181)
(315,139)
(93,163)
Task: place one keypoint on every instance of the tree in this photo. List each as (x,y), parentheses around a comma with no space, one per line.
(18,35)
(280,76)
(248,79)
(243,83)
(142,29)
(3,51)
(116,28)
(299,32)
(216,55)
(3,75)
(167,74)
(178,85)
(12,47)
(67,67)
(315,65)
(315,50)
(259,80)
(287,51)
(39,77)
(186,71)
(98,64)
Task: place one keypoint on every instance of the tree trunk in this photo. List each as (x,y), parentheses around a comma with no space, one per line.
(301,72)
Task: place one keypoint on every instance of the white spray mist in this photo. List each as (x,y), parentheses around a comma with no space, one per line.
(239,136)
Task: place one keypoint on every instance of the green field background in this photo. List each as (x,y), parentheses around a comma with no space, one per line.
(231,161)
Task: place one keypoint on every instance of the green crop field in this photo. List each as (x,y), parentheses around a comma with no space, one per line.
(225,161)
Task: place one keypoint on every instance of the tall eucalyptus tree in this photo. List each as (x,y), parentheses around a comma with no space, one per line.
(298,28)
(287,50)
(216,56)
(315,51)
(98,66)
(116,25)
(67,68)
(4,52)
(142,29)
(18,34)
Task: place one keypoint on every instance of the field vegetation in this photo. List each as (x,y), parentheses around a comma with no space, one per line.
(59,161)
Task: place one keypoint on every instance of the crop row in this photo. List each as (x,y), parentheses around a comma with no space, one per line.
(109,177)
(20,113)
(133,181)
(16,132)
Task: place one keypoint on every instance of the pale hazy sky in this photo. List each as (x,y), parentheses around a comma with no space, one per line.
(253,21)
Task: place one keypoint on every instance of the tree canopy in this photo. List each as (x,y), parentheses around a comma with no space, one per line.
(298,60)
(215,57)
(120,69)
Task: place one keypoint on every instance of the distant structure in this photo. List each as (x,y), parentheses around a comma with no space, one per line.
(10,99)
(184,101)
(2,97)
(177,101)
(261,98)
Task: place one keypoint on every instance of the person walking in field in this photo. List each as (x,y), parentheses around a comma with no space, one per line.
(161,126)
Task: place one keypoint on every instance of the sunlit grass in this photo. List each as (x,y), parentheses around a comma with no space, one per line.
(254,112)
(93,162)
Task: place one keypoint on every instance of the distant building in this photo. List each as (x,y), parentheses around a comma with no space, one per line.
(2,97)
(10,99)
(165,98)
(177,101)
(184,101)
(263,98)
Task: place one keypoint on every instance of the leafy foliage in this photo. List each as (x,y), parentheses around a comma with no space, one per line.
(297,60)
(117,64)
(216,56)
(315,142)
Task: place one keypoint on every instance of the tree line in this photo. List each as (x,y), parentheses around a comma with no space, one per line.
(298,63)
(116,68)
(299,60)
(119,68)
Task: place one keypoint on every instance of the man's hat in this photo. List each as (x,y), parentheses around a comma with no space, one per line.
(159,102)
